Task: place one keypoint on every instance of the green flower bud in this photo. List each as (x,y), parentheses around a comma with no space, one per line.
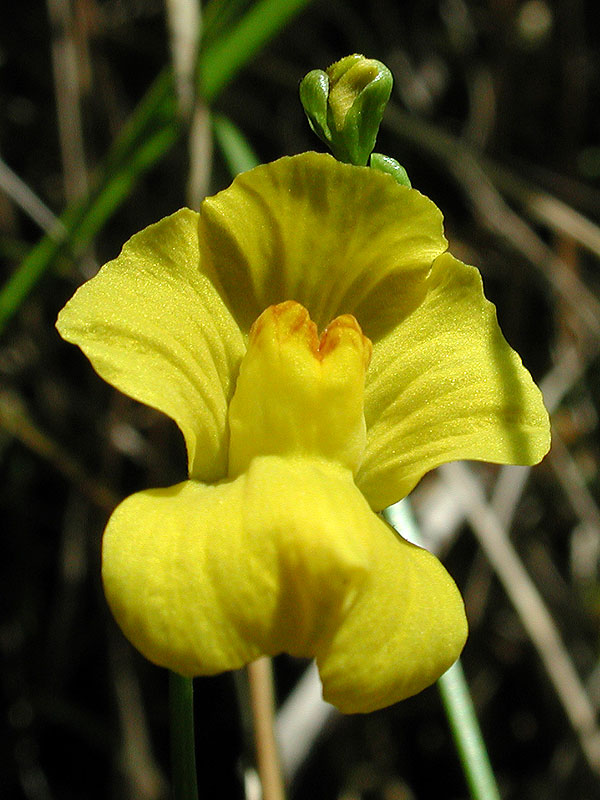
(345,105)
(391,166)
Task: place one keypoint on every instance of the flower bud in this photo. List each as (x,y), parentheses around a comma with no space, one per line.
(345,105)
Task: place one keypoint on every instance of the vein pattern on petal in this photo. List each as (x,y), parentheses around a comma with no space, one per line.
(153,325)
(444,385)
(288,557)
(328,235)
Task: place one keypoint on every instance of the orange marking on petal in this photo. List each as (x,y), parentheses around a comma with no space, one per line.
(345,328)
(289,320)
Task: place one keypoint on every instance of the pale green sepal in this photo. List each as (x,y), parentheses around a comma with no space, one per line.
(314,91)
(391,167)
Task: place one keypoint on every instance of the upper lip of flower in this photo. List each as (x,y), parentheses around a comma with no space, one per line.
(167,321)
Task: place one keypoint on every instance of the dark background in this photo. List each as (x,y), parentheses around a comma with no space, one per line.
(512,85)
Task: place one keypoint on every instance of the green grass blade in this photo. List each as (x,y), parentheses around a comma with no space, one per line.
(183,748)
(82,222)
(218,15)
(454,691)
(150,132)
(237,152)
(220,62)
(157,109)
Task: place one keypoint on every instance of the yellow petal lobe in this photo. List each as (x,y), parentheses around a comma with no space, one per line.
(336,238)
(288,557)
(298,394)
(444,385)
(153,325)
(206,578)
(406,628)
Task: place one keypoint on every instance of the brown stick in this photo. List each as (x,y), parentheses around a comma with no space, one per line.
(262,702)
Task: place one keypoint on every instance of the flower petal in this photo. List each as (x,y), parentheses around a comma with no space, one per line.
(153,325)
(286,558)
(445,385)
(298,395)
(172,560)
(405,629)
(206,578)
(329,235)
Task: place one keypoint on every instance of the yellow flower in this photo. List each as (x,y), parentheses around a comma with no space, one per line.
(296,438)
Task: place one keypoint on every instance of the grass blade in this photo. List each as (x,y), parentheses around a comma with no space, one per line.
(237,152)
(454,691)
(150,132)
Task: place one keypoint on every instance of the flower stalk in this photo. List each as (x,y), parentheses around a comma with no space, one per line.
(454,692)
(183,751)
(467,734)
(262,702)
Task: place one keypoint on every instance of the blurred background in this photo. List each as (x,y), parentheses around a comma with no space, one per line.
(494,114)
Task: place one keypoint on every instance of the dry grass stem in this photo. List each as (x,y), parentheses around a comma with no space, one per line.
(528,603)
(28,201)
(200,152)
(14,420)
(470,173)
(146,781)
(262,701)
(185,27)
(66,85)
(573,483)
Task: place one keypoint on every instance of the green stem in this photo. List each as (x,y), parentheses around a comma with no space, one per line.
(456,698)
(183,754)
(467,735)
